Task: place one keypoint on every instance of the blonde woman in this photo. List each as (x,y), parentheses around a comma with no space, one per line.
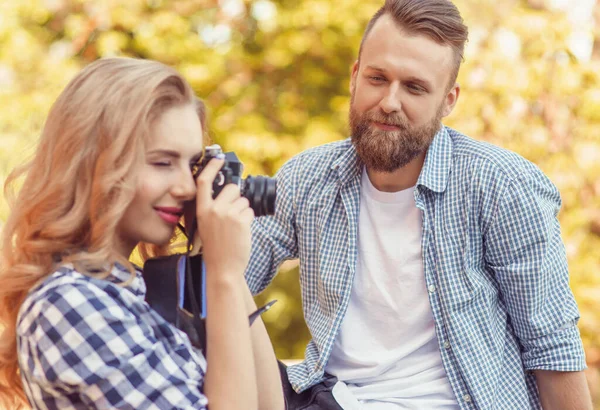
(113,171)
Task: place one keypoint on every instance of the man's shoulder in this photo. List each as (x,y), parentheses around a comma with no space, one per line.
(320,157)
(489,158)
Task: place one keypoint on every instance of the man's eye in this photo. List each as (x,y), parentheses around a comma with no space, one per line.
(415,88)
(376,78)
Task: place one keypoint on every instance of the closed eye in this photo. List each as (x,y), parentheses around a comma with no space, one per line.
(415,88)
(162,163)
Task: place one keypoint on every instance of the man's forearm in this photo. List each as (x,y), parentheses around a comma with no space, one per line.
(563,390)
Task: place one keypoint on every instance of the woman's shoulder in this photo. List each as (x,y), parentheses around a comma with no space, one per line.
(84,335)
(67,294)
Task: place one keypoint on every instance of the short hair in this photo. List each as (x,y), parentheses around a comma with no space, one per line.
(438,20)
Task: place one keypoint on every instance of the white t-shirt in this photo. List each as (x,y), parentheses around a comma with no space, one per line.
(386,351)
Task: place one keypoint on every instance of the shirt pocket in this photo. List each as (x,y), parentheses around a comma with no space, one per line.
(461,271)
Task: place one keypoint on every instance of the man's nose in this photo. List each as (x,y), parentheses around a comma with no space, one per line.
(391,100)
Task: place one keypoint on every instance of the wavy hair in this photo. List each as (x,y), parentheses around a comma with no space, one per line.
(78,185)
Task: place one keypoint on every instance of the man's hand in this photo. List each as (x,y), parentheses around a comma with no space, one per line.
(563,390)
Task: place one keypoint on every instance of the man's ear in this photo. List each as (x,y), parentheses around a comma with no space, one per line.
(353,76)
(451,99)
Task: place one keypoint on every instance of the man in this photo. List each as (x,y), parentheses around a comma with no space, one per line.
(432,269)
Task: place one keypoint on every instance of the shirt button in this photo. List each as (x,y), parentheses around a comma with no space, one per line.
(190,367)
(467,398)
(431,288)
(446,345)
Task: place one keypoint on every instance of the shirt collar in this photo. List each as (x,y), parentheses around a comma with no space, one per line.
(438,161)
(348,165)
(120,275)
(435,172)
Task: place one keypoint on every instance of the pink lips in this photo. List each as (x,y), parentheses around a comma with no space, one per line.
(170,215)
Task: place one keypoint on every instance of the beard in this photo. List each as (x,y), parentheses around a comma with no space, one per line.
(387,151)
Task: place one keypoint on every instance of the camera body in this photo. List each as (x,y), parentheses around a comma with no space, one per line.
(260,191)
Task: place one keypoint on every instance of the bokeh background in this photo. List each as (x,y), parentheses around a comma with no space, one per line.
(275,74)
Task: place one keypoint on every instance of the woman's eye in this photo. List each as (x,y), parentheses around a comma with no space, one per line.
(162,163)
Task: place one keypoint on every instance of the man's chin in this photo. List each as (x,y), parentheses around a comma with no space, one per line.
(384,167)
(377,133)
(387,163)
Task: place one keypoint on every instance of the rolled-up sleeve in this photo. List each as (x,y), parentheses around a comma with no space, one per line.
(523,247)
(274,236)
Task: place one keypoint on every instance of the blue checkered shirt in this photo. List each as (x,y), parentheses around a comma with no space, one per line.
(494,263)
(93,343)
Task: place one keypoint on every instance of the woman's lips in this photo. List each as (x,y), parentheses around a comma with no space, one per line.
(170,215)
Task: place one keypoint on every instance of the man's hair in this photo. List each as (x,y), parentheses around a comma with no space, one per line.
(438,20)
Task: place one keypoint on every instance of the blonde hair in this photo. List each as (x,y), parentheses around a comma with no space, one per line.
(79,183)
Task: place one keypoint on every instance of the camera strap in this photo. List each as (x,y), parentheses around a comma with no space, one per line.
(176,290)
(198,316)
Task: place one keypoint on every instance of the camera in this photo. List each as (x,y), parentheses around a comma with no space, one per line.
(175,284)
(260,191)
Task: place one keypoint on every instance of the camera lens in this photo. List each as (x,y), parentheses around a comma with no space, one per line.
(261,193)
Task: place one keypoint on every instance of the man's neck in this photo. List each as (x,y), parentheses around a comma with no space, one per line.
(400,179)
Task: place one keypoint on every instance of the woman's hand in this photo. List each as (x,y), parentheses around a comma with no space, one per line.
(223,224)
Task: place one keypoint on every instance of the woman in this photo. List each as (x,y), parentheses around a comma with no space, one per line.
(112,173)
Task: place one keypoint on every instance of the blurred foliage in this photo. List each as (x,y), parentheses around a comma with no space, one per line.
(275,73)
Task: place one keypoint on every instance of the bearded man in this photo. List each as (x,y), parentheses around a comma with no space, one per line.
(432,269)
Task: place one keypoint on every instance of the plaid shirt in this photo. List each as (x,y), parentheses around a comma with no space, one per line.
(92,343)
(494,263)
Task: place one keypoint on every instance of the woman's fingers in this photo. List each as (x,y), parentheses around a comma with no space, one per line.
(223,223)
(204,183)
(248,215)
(228,201)
(239,205)
(228,194)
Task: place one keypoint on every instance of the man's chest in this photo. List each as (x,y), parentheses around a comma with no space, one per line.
(444,231)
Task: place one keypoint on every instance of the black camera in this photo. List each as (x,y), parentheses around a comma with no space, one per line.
(260,191)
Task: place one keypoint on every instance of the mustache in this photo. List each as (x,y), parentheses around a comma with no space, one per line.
(393,119)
